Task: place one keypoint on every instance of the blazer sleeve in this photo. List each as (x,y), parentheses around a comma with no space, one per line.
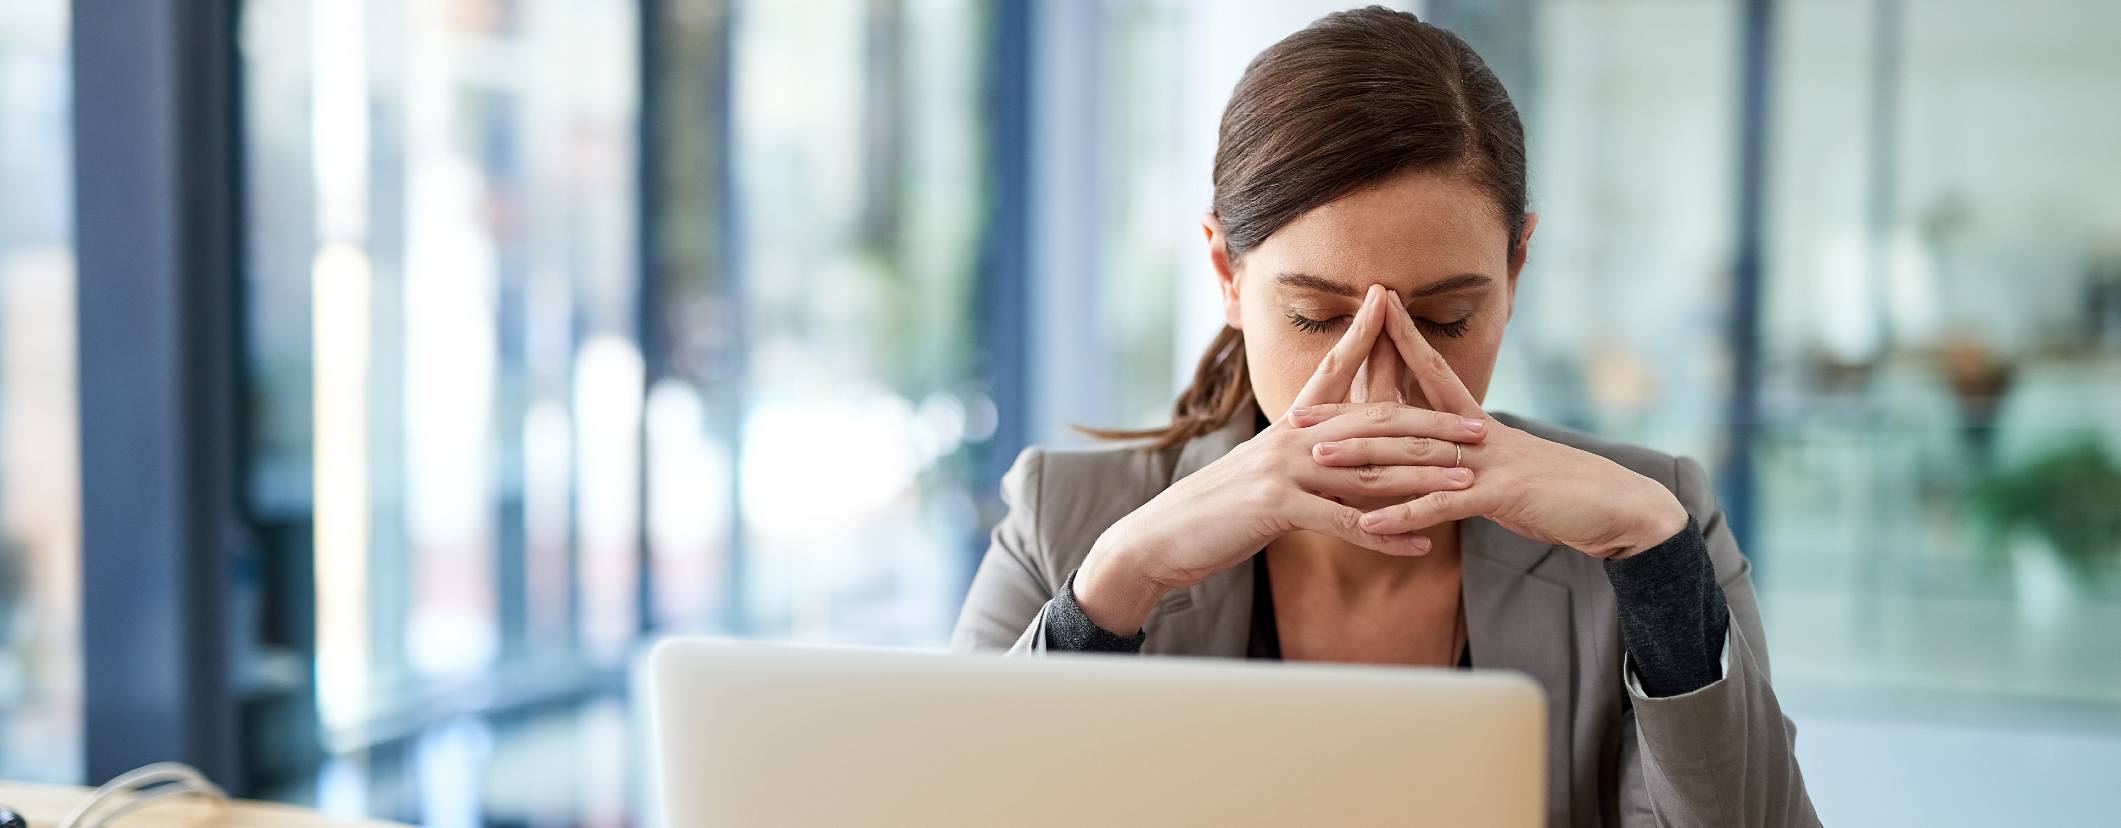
(1724,754)
(1006,607)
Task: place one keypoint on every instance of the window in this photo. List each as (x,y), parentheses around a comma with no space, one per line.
(859,203)
(1941,456)
(443,340)
(40,507)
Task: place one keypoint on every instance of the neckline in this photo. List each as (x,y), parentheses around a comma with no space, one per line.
(1265,642)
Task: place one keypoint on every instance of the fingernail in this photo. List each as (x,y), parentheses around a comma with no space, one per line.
(1459,475)
(1423,544)
(1373,521)
(1476,426)
(1299,414)
(1326,449)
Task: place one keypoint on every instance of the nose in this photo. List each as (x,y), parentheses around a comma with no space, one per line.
(1382,375)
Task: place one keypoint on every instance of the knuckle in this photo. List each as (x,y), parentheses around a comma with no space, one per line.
(1445,482)
(1419,447)
(1330,364)
(1378,413)
(1370,475)
(1347,519)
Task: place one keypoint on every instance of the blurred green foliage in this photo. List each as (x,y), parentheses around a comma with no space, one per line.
(2070,495)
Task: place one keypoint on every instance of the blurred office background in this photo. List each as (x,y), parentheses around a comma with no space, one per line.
(377,376)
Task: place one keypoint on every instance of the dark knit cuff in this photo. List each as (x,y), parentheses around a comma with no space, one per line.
(1672,615)
(1068,629)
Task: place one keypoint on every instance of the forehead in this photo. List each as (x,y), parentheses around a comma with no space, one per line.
(1404,233)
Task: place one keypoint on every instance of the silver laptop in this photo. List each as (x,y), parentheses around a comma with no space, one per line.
(761,734)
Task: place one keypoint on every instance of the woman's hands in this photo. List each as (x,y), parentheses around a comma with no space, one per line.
(1270,486)
(1445,463)
(1536,488)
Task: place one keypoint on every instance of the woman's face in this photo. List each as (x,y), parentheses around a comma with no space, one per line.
(1433,238)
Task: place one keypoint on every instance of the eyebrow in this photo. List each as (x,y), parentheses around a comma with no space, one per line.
(1463,281)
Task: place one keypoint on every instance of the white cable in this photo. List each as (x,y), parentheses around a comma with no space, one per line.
(145,785)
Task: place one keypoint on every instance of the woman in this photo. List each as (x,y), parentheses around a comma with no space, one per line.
(1331,489)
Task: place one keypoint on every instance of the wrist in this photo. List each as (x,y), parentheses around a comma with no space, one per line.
(1115,593)
(1659,524)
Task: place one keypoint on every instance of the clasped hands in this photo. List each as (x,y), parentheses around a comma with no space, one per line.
(1538,488)
(1351,460)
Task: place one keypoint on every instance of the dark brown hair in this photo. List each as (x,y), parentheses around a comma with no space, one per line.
(1348,102)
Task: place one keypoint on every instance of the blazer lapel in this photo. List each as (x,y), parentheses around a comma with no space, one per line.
(1516,620)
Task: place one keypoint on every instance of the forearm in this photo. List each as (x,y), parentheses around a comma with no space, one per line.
(1672,614)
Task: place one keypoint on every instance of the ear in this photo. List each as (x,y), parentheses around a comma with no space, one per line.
(1524,249)
(1211,226)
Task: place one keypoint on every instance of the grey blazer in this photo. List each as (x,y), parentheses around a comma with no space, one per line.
(1719,756)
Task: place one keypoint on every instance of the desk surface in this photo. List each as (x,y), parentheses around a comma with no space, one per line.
(45,805)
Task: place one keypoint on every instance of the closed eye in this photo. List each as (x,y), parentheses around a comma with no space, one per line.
(1309,325)
(1453,330)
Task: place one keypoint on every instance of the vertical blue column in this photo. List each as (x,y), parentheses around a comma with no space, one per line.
(1004,279)
(157,226)
(1756,46)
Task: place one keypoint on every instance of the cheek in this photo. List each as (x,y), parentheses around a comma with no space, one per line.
(1280,362)
(1472,357)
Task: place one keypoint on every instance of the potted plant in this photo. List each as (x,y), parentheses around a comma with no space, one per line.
(2068,500)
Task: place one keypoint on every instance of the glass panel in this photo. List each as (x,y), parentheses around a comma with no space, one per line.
(40,507)
(1944,329)
(442,314)
(860,201)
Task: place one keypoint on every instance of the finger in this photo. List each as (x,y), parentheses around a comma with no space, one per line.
(1432,372)
(1317,514)
(1336,373)
(1397,482)
(1422,512)
(1378,378)
(1341,421)
(1392,451)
